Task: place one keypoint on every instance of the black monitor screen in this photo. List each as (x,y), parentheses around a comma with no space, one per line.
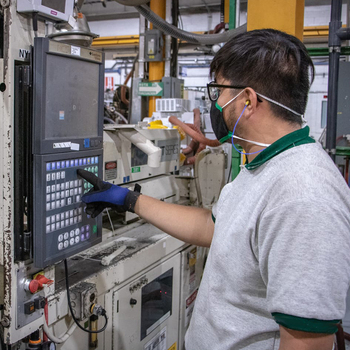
(58,5)
(72,92)
(156,302)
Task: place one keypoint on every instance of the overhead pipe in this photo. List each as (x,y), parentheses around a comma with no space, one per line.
(204,39)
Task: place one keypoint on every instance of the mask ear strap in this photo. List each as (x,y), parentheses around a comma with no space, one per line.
(232,99)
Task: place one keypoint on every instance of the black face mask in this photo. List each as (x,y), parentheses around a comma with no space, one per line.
(218,124)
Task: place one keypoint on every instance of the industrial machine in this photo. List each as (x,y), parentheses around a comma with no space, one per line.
(69,281)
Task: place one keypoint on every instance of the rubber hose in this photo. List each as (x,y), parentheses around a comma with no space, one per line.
(194,134)
(205,39)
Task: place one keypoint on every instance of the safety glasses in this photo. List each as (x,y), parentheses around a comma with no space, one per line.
(214,89)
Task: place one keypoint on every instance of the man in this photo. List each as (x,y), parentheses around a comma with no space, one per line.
(278,269)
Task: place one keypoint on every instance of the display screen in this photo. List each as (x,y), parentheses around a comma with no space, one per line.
(58,5)
(156,302)
(71,101)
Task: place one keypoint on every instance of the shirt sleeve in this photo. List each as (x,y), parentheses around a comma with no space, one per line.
(304,259)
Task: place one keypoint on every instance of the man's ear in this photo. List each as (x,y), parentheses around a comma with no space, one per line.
(251,101)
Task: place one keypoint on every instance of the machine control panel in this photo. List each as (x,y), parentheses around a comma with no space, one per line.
(66,228)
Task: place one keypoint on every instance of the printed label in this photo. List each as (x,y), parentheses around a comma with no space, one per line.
(75,50)
(61,115)
(111,172)
(135,169)
(158,342)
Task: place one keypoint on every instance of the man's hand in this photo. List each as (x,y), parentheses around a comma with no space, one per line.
(106,195)
(298,340)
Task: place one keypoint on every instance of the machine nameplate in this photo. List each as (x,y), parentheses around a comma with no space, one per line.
(65,49)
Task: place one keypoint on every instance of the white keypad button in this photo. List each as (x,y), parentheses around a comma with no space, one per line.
(48,228)
(76,183)
(69,201)
(58,216)
(53,176)
(53,227)
(80,182)
(58,195)
(62,224)
(48,198)
(48,206)
(62,194)
(71,183)
(53,205)
(62,216)
(66,214)
(80,210)
(71,192)
(63,174)
(80,218)
(71,241)
(48,221)
(71,233)
(58,225)
(67,222)
(67,185)
(58,175)
(75,212)
(48,177)
(66,235)
(71,213)
(53,196)
(53,219)
(80,190)
(48,189)
(53,188)
(60,237)
(60,246)
(66,244)
(63,202)
(77,198)
(77,231)
(58,204)
(76,191)
(75,219)
(71,221)
(67,193)
(77,239)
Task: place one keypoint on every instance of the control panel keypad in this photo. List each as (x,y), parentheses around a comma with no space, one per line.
(63,192)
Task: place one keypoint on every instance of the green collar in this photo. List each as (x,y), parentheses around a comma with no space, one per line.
(295,138)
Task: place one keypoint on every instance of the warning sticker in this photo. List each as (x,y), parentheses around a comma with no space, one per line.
(111,172)
(158,342)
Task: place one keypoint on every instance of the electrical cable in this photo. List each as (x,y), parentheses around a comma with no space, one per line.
(110,220)
(71,309)
(229,173)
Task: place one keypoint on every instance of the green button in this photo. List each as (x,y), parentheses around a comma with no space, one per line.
(85,185)
(96,169)
(89,168)
(94,229)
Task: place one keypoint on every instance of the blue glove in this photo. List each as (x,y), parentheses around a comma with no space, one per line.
(106,195)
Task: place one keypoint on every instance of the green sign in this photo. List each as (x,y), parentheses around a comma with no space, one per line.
(135,169)
(150,89)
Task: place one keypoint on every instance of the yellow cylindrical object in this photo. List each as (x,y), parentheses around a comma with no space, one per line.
(286,15)
(227,11)
(156,69)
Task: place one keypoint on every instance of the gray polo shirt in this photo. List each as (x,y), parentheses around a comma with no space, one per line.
(280,252)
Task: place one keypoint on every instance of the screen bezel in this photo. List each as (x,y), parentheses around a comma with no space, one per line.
(41,144)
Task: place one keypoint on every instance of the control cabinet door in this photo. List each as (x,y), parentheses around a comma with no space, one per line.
(146,311)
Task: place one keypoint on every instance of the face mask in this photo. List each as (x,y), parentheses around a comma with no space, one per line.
(220,128)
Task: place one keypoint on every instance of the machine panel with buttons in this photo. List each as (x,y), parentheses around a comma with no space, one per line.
(64,228)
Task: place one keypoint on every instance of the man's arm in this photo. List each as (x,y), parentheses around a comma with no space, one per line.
(189,224)
(297,340)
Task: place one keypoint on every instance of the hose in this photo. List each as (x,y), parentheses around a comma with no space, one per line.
(205,39)
(194,134)
(63,338)
(199,157)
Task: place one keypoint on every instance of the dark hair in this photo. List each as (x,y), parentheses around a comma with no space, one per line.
(271,62)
